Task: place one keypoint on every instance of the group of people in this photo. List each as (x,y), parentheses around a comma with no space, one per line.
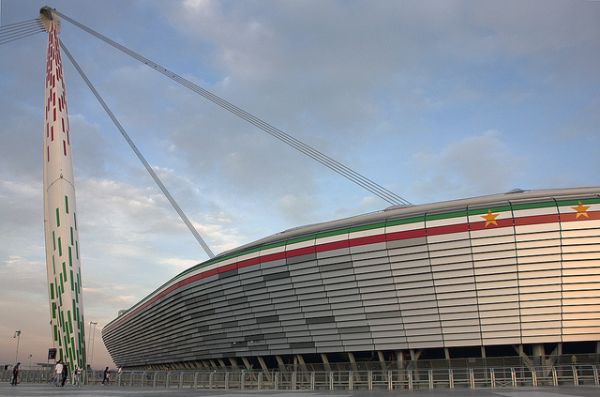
(61,373)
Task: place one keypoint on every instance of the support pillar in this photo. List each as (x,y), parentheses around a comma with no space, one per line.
(447,353)
(325,362)
(246,363)
(233,362)
(352,362)
(280,363)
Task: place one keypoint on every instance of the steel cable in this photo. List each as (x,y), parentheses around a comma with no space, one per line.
(139,155)
(10,33)
(327,161)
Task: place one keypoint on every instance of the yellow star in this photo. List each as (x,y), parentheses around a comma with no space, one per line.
(581,210)
(490,218)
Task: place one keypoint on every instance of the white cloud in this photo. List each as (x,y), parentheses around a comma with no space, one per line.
(474,165)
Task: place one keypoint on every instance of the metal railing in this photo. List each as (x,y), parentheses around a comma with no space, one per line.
(404,379)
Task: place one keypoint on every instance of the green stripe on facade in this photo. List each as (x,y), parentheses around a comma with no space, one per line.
(592,200)
(70,258)
(64,274)
(53,309)
(484,210)
(71,234)
(75,220)
(55,333)
(53,265)
(57,218)
(52,291)
(59,247)
(406,221)
(446,215)
(66,204)
(77,250)
(369,226)
(72,285)
(54,240)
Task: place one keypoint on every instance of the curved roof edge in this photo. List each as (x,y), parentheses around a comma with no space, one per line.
(401,211)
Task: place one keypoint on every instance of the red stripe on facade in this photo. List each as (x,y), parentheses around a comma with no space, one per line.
(334,245)
(506,222)
(405,235)
(437,230)
(248,262)
(531,220)
(300,251)
(272,257)
(64,147)
(537,219)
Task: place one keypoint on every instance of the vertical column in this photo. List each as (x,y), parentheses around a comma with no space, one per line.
(60,217)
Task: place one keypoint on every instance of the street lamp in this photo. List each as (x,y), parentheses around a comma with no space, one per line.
(93,338)
(18,336)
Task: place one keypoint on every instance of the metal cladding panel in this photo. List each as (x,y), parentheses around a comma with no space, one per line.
(506,271)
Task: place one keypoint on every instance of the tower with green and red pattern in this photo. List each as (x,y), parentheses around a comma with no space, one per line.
(60,214)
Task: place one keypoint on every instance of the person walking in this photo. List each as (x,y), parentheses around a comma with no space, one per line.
(15,378)
(106,377)
(65,375)
(58,369)
(77,376)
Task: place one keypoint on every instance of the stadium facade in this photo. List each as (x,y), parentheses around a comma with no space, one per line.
(482,276)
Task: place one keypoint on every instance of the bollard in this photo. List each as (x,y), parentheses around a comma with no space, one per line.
(312,381)
(259,381)
(596,380)
(227,380)
(167,381)
(389,379)
(293,386)
(143,378)
(276,383)
(430,377)
(370,380)
(195,380)
(493,378)
(410,380)
(575,375)
(331,375)
(534,378)
(154,380)
(180,380)
(471,378)
(554,377)
(210,380)
(513,377)
(350,381)
(242,379)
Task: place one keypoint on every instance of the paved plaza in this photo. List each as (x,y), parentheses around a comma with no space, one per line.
(27,390)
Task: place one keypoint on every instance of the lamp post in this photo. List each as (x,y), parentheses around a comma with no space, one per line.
(18,336)
(93,341)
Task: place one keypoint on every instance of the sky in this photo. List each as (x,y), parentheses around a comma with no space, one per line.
(435,100)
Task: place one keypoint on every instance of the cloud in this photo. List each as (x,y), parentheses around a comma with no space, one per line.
(474,165)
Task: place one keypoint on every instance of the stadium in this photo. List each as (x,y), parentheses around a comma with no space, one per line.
(506,276)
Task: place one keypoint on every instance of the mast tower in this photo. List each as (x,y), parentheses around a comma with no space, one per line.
(60,216)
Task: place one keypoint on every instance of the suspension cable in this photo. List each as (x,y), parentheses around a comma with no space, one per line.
(16,31)
(315,154)
(139,155)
